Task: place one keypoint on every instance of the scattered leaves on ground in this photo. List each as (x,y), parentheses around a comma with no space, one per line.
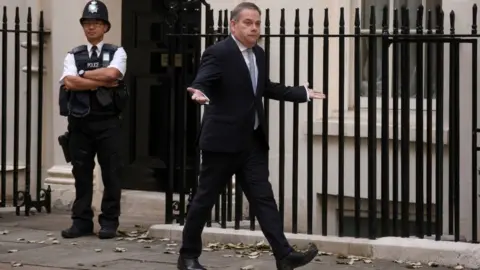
(240,250)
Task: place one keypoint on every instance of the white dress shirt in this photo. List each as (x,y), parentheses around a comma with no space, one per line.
(119,61)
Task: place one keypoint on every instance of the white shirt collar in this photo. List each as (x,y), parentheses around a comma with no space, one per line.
(99,46)
(239,44)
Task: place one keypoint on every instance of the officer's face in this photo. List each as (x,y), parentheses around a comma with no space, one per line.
(246,28)
(94,29)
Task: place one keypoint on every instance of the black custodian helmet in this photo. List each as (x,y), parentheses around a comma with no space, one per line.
(96,10)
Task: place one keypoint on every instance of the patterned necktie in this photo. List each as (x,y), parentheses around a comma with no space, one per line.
(251,68)
(94,55)
(253,77)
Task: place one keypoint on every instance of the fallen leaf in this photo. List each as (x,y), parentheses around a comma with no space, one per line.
(413,265)
(120,250)
(348,262)
(170,250)
(13,250)
(16,264)
(98,250)
(254,255)
(341,256)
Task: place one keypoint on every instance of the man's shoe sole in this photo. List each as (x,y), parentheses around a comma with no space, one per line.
(309,258)
(311,254)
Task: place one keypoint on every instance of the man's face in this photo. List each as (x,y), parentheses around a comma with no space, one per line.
(246,28)
(94,29)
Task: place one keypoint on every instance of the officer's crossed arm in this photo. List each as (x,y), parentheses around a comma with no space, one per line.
(70,79)
(115,71)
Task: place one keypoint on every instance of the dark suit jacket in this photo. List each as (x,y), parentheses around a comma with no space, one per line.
(229,118)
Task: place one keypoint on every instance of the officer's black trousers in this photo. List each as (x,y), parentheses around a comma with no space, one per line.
(92,136)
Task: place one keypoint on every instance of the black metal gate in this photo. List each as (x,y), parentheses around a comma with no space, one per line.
(21,135)
(398,44)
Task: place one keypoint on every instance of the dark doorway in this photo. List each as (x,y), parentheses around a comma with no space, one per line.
(147,120)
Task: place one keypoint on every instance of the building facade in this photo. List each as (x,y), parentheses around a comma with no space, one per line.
(135,26)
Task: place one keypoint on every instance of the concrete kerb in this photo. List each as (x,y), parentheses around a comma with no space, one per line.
(387,248)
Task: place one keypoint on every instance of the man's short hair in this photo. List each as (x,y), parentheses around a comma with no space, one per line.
(242,6)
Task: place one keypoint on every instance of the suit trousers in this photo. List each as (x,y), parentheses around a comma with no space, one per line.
(92,136)
(251,169)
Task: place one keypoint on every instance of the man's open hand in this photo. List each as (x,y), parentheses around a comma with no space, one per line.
(314,94)
(198,96)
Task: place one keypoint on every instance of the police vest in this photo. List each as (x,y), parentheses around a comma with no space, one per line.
(103,101)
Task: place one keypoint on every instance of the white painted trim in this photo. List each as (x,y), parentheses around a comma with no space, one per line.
(10,167)
(333,126)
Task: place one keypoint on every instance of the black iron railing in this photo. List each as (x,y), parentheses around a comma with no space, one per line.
(399,45)
(13,82)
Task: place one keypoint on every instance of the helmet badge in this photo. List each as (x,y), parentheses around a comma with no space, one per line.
(93,8)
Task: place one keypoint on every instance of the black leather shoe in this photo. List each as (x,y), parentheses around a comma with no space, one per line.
(189,264)
(76,231)
(297,259)
(107,233)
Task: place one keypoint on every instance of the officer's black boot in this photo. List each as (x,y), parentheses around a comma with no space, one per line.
(107,232)
(78,230)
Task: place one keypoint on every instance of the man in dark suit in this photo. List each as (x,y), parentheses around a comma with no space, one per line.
(232,80)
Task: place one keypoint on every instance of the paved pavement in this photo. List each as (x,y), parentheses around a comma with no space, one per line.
(35,243)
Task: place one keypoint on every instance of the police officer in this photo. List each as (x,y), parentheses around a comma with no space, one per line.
(92,96)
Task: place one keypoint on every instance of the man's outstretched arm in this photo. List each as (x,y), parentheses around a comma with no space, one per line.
(208,72)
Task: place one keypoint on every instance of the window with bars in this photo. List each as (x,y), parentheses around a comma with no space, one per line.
(412,6)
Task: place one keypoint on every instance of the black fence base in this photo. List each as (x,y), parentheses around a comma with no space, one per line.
(24,199)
